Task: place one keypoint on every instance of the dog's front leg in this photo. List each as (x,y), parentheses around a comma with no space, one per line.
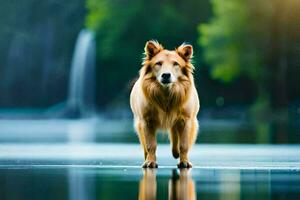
(184,129)
(150,140)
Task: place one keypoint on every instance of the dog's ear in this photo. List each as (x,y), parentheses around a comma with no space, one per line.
(185,51)
(152,48)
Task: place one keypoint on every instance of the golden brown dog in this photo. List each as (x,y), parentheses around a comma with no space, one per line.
(165,98)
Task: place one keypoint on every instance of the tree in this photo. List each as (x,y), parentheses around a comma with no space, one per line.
(250,38)
(36,45)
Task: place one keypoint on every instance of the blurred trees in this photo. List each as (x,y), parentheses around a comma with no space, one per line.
(256,39)
(249,47)
(37,41)
(123,27)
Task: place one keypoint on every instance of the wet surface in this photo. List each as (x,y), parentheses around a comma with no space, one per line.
(112,171)
(135,183)
(115,155)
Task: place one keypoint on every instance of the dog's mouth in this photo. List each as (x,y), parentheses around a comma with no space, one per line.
(165,82)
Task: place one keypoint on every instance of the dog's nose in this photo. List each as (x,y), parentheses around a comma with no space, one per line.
(166,76)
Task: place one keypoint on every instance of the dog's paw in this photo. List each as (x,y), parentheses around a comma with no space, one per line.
(184,164)
(150,164)
(175,153)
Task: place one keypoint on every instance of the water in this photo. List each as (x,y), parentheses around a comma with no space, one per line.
(81,100)
(81,171)
(121,130)
(85,183)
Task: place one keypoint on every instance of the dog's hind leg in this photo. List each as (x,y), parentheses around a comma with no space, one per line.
(193,133)
(174,142)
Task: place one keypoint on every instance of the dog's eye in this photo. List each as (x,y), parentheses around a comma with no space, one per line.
(159,63)
(176,63)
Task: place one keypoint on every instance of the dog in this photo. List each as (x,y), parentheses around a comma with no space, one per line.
(164,97)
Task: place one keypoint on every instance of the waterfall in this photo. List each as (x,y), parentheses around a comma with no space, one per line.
(81,96)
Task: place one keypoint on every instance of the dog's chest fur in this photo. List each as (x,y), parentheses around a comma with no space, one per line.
(164,120)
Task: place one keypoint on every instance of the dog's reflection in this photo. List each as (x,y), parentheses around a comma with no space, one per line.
(180,185)
(147,188)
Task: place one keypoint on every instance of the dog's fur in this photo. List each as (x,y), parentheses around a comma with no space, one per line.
(171,106)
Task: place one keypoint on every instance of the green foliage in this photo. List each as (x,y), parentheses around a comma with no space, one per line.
(36,45)
(123,27)
(253,39)
(231,39)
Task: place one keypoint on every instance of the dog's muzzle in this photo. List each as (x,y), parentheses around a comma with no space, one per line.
(165,78)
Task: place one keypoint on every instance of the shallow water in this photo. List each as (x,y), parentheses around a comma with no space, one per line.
(220,131)
(94,159)
(135,183)
(112,171)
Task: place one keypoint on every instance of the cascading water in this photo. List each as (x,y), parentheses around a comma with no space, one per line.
(81,97)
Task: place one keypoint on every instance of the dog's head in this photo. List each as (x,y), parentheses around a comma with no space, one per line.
(165,66)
